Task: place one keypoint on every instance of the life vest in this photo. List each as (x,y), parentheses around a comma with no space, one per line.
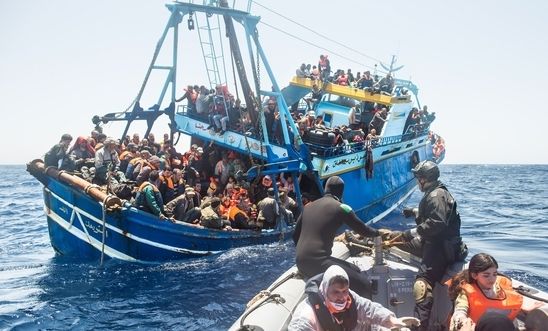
(233,211)
(168,181)
(324,316)
(479,304)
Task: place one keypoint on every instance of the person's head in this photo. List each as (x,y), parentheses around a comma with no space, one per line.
(271,104)
(135,138)
(151,137)
(215,202)
(267,181)
(335,289)
(373,132)
(426,173)
(334,186)
(145,154)
(483,270)
(270,192)
(153,176)
(65,139)
(154,161)
(110,144)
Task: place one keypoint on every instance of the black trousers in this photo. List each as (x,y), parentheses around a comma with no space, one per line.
(434,264)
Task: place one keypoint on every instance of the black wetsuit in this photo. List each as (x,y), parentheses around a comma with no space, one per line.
(314,233)
(438,224)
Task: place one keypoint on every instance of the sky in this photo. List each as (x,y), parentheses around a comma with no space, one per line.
(479,65)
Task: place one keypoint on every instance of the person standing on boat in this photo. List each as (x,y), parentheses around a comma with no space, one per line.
(436,238)
(317,227)
(331,305)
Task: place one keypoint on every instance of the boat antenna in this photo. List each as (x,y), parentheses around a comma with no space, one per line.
(391,69)
(317,33)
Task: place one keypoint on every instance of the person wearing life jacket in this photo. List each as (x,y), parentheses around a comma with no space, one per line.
(153,163)
(436,238)
(149,198)
(480,289)
(238,218)
(316,228)
(126,156)
(134,165)
(331,305)
(166,185)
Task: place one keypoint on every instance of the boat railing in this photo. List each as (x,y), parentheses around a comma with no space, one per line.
(327,152)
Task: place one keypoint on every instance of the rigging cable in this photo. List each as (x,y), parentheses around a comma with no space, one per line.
(314,45)
(317,33)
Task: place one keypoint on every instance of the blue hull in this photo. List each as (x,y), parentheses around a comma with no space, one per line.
(76,229)
(76,226)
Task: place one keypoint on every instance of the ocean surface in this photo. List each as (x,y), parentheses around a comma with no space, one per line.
(504,211)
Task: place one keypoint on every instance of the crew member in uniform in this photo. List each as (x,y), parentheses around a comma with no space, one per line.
(436,238)
(317,227)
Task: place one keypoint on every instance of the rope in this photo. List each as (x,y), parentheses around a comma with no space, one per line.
(317,33)
(263,297)
(319,47)
(104,230)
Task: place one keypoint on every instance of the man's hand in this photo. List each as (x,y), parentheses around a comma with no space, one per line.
(409,212)
(402,322)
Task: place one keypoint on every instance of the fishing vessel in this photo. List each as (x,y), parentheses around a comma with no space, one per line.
(392,272)
(86,221)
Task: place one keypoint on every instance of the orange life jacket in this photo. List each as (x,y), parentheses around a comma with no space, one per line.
(168,181)
(145,184)
(478,304)
(233,211)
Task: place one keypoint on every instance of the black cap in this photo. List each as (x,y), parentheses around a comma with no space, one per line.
(335,186)
(428,170)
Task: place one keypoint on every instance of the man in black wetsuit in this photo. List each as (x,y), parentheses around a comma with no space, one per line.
(317,227)
(436,238)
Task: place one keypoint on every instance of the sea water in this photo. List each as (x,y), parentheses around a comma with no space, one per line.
(504,212)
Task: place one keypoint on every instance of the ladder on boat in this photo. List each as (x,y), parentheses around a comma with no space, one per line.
(211,43)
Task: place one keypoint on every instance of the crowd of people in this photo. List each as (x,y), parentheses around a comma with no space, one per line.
(366,81)
(204,186)
(338,294)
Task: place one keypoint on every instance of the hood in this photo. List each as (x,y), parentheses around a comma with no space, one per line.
(328,275)
(335,186)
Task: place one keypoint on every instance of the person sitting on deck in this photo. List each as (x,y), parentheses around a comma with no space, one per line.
(126,156)
(480,289)
(149,198)
(55,156)
(211,216)
(301,71)
(331,305)
(153,163)
(315,97)
(387,84)
(185,208)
